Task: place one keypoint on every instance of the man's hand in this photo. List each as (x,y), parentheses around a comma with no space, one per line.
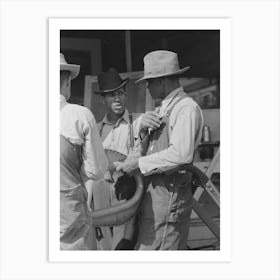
(150,120)
(108,177)
(129,166)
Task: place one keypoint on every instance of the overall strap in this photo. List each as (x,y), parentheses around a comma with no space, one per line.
(170,110)
(100,128)
(175,103)
(131,134)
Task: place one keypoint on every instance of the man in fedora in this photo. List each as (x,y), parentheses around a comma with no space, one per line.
(82,161)
(166,208)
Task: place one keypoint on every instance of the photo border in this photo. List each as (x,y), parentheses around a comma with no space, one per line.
(222,24)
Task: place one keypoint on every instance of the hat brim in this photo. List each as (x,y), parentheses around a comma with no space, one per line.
(147,77)
(103,92)
(73,68)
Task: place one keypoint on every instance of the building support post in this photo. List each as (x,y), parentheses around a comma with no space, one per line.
(128,51)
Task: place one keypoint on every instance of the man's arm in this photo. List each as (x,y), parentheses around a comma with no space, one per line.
(182,142)
(181,145)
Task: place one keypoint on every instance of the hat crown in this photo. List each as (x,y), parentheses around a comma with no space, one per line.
(109,80)
(72,68)
(62,59)
(161,63)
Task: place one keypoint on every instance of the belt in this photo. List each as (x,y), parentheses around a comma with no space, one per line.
(178,179)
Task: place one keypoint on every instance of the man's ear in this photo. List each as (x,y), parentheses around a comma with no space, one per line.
(68,81)
(103,99)
(161,83)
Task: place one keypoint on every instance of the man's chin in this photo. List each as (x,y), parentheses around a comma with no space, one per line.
(118,111)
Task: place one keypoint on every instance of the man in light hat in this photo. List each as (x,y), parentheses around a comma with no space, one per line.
(166,208)
(119,130)
(82,162)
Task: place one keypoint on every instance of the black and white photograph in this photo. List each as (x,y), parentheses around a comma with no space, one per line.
(140,139)
(159,159)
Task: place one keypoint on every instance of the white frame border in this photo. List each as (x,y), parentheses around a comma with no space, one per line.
(224,25)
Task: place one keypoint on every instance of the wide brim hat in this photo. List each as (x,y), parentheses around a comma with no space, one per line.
(161,63)
(110,81)
(74,69)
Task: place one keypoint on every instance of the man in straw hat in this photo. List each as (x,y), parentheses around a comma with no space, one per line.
(119,130)
(166,208)
(82,161)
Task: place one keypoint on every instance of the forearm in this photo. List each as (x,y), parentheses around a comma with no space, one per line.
(89,184)
(169,157)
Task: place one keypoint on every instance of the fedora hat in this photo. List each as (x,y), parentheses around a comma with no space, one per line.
(73,68)
(161,63)
(110,81)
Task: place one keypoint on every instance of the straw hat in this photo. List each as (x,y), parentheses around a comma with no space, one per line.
(110,81)
(161,64)
(73,68)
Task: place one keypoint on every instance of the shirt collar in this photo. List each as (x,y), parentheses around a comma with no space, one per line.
(124,117)
(169,99)
(62,98)
(62,101)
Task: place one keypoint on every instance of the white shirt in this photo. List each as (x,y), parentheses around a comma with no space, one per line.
(116,136)
(185,130)
(78,125)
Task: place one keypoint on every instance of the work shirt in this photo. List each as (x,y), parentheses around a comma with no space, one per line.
(185,129)
(78,125)
(117,136)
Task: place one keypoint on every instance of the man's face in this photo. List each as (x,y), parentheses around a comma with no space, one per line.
(68,88)
(115,101)
(156,88)
(65,84)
